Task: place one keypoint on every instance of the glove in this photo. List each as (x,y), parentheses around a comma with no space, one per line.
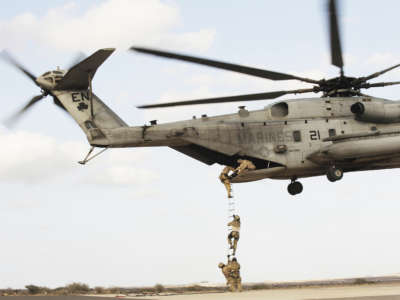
(234,174)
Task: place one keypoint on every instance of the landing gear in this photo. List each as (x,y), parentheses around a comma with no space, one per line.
(295,187)
(334,174)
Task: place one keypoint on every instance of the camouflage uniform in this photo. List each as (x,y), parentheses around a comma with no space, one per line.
(224,177)
(234,234)
(226,270)
(243,166)
(236,280)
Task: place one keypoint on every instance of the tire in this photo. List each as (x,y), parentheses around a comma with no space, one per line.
(334,174)
(295,188)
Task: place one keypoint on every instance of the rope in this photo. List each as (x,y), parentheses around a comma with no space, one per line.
(231,212)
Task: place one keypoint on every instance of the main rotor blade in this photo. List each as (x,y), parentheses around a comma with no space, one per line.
(223,65)
(10,121)
(336,48)
(248,97)
(12,61)
(374,75)
(378,84)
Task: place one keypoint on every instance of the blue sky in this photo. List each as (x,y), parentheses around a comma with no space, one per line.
(144,216)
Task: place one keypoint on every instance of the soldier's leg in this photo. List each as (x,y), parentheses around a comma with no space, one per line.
(235,241)
(228,187)
(239,284)
(230,240)
(235,236)
(231,285)
(235,285)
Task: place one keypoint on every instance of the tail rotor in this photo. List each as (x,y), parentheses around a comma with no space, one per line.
(43,82)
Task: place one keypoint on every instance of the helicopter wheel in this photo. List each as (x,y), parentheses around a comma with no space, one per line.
(295,188)
(334,174)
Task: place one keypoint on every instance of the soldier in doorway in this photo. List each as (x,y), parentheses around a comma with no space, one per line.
(225,179)
(234,235)
(244,165)
(236,280)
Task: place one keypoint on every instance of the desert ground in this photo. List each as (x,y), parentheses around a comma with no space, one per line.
(365,292)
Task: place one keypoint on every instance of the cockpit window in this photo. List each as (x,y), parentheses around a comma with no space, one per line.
(47,73)
(57,72)
(49,79)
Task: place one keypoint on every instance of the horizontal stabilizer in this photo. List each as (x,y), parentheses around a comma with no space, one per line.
(77,78)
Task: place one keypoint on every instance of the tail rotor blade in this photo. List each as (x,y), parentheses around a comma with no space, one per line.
(10,121)
(12,61)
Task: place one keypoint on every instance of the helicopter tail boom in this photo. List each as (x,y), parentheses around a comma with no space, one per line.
(91,114)
(74,91)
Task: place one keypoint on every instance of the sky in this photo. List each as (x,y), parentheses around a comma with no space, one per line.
(134,217)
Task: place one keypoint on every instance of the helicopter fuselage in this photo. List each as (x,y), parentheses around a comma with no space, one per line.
(286,140)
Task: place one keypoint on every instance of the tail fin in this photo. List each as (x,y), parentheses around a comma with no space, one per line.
(74,92)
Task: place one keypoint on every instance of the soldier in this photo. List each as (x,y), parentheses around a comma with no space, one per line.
(234,268)
(226,270)
(225,179)
(234,234)
(244,165)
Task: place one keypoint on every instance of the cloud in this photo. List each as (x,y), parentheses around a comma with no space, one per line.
(123,175)
(30,158)
(121,169)
(113,23)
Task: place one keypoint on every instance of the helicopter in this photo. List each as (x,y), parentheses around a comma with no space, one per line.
(342,131)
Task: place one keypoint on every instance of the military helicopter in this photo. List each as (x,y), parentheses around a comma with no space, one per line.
(342,131)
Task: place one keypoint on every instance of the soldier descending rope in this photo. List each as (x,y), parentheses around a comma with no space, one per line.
(226,271)
(235,279)
(234,234)
(231,271)
(225,179)
(229,172)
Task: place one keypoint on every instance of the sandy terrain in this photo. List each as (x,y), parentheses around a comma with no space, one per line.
(366,292)
(361,292)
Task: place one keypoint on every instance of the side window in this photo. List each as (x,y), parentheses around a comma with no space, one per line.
(297,136)
(332,132)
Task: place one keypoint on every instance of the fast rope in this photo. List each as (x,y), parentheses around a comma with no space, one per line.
(231,212)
